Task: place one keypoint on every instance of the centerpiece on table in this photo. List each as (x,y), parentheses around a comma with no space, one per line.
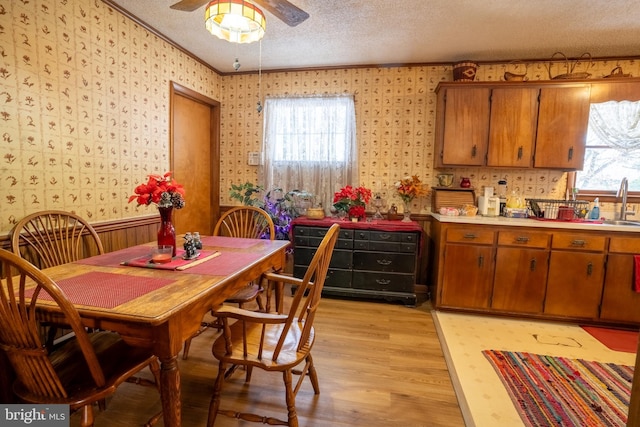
(409,188)
(351,201)
(166,194)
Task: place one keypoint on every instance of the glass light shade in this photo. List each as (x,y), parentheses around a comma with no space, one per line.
(236,21)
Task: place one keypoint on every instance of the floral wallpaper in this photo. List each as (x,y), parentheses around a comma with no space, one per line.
(84,107)
(84,113)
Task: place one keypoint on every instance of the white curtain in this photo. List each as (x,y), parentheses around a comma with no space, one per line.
(310,145)
(617,124)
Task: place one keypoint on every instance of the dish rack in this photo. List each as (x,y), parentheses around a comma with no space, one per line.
(548,208)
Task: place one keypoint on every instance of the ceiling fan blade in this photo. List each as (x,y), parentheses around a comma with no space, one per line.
(188,5)
(283,10)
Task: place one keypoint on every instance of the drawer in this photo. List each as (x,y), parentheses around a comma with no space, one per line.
(390,282)
(624,245)
(314,242)
(303,231)
(384,261)
(339,259)
(524,238)
(336,278)
(384,236)
(578,241)
(392,246)
(470,235)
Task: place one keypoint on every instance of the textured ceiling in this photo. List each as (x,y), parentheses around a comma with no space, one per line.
(378,32)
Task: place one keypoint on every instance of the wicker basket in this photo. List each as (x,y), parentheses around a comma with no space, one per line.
(570,67)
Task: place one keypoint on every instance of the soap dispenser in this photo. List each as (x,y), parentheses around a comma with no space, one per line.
(595,212)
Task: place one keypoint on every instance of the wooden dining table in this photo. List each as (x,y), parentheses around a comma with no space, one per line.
(158,306)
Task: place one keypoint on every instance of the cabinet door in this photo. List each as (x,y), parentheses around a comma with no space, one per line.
(563,118)
(520,280)
(574,286)
(512,128)
(465,131)
(619,301)
(468,276)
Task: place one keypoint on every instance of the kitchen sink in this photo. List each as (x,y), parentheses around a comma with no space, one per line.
(622,222)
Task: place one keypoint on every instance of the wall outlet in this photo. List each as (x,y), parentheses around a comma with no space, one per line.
(253,159)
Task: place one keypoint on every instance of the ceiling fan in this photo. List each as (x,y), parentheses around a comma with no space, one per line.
(281,9)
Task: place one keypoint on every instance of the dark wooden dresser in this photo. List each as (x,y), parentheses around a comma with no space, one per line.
(371,260)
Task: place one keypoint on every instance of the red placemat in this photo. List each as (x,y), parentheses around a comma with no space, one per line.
(224,265)
(227,242)
(112,259)
(176,261)
(105,290)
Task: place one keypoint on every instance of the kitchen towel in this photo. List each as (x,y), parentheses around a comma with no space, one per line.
(636,273)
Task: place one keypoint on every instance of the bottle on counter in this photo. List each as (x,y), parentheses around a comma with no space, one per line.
(595,212)
(502,194)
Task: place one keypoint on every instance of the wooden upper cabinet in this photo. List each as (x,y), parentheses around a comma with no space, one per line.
(512,127)
(462,132)
(563,119)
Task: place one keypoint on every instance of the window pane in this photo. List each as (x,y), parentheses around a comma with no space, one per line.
(604,168)
(613,147)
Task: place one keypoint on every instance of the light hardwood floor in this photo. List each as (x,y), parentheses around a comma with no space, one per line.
(379,365)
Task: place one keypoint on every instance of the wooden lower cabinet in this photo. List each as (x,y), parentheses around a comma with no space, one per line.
(574,275)
(520,280)
(574,286)
(468,276)
(620,302)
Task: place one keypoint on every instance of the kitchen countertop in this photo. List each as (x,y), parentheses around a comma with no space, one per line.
(528,222)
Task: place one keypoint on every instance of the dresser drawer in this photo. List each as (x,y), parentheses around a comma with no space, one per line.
(389,282)
(470,235)
(304,231)
(336,278)
(624,245)
(579,242)
(364,245)
(382,236)
(527,239)
(339,259)
(384,261)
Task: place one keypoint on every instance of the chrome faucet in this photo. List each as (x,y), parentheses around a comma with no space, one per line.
(622,192)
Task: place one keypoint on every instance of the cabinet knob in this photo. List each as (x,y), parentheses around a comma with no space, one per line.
(383,261)
(383,281)
(589,269)
(570,154)
(520,153)
(474,151)
(384,236)
(522,239)
(532,265)
(469,236)
(480,261)
(579,243)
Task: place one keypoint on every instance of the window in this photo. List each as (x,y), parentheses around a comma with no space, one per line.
(310,145)
(613,147)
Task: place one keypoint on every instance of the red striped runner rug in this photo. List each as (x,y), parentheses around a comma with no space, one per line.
(557,391)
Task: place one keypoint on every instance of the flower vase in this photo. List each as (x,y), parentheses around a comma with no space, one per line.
(407,212)
(167,233)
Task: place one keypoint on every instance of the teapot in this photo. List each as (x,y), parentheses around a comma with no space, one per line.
(465,182)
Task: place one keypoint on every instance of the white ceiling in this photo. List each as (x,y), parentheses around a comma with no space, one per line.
(378,32)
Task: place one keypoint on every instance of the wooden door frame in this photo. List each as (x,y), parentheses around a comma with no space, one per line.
(214,138)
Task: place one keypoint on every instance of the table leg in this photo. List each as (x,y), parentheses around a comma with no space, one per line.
(170,393)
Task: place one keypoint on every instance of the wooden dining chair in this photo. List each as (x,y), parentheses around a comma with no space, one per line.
(83,371)
(247,222)
(50,238)
(274,342)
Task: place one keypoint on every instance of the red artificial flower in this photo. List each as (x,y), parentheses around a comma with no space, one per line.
(162,190)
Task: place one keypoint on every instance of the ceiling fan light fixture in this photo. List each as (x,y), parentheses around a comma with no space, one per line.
(236,21)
